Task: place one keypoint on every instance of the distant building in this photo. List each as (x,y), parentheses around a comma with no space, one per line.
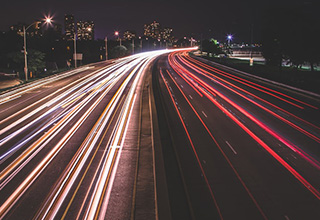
(153,30)
(69,27)
(85,30)
(129,35)
(166,34)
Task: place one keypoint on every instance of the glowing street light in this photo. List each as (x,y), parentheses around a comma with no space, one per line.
(47,20)
(229,38)
(118,35)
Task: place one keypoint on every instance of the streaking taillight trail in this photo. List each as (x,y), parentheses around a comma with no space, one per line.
(176,61)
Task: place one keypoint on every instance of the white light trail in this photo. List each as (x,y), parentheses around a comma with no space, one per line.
(66,105)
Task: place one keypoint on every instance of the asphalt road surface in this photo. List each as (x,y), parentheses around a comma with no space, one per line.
(61,139)
(235,146)
(227,145)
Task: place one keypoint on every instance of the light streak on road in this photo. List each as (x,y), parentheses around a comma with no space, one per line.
(87,148)
(16,93)
(193,148)
(214,91)
(216,143)
(248,82)
(207,67)
(291,146)
(41,122)
(214,95)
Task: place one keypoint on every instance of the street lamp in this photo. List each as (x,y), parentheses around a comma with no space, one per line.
(47,20)
(75,49)
(106,45)
(132,45)
(140,44)
(106,42)
(117,34)
(229,38)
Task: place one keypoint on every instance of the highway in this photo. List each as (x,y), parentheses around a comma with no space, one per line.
(226,145)
(61,138)
(236,146)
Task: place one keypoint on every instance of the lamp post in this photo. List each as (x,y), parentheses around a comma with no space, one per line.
(140,44)
(251,57)
(47,21)
(75,50)
(106,45)
(229,38)
(117,34)
(201,44)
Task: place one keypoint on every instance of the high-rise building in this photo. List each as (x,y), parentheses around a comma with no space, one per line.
(153,30)
(85,30)
(129,35)
(166,34)
(69,27)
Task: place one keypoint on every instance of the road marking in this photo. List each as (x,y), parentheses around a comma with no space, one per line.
(204,114)
(293,156)
(190,97)
(181,86)
(235,152)
(286,217)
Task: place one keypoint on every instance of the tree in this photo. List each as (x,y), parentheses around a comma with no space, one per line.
(211,46)
(118,51)
(36,62)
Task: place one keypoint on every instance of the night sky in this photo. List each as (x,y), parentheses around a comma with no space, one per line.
(215,18)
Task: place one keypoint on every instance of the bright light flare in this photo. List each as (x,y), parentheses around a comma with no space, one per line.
(48,19)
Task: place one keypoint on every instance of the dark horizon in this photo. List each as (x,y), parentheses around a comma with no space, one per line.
(209,18)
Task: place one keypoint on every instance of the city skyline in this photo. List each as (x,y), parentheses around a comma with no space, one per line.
(159,110)
(85,30)
(209,18)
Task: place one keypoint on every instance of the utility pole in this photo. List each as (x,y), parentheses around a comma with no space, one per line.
(251,57)
(201,43)
(132,46)
(75,51)
(25,53)
(106,45)
(47,21)
(140,43)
